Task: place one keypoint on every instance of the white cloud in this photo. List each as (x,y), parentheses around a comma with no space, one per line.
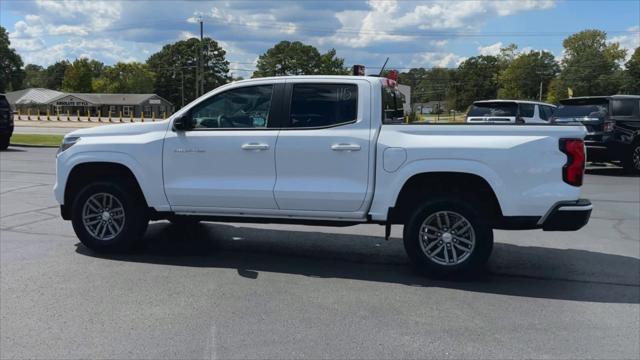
(262,22)
(26,45)
(75,48)
(436,59)
(493,49)
(395,21)
(629,41)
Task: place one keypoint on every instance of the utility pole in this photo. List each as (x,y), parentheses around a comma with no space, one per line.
(201,58)
(197,68)
(540,96)
(182,86)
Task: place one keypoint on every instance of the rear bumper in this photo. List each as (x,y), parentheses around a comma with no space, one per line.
(567,216)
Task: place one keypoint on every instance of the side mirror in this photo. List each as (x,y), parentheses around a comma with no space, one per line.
(183,122)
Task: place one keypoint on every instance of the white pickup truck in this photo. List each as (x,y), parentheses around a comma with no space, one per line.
(323,150)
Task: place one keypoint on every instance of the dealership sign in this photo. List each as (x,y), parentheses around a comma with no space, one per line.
(71,101)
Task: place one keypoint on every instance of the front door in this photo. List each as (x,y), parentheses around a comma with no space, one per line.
(226,162)
(322,155)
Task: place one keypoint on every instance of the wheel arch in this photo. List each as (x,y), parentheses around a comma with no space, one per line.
(87,172)
(462,184)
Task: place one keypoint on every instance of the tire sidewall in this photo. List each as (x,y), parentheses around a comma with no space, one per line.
(135,218)
(483,238)
(629,164)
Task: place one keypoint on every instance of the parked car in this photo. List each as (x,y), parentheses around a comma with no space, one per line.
(6,122)
(323,150)
(510,112)
(613,126)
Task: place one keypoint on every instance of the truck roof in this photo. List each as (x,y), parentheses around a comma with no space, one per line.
(315,77)
(604,97)
(515,101)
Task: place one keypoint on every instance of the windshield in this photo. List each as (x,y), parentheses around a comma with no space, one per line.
(575,111)
(494,109)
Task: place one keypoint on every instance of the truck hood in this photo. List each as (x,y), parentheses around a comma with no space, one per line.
(120,129)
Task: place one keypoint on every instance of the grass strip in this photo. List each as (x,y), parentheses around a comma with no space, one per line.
(37,139)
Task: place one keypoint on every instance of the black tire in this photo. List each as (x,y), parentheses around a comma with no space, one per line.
(631,162)
(4,142)
(135,216)
(472,262)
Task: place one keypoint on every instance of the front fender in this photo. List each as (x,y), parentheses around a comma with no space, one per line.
(151,186)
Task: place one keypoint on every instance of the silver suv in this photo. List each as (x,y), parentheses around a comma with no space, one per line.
(510,112)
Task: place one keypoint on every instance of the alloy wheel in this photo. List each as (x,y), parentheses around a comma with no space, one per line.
(636,157)
(103,216)
(447,238)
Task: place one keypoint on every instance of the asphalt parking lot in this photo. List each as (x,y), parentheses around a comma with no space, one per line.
(272,291)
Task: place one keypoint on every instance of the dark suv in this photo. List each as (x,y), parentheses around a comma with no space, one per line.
(613,126)
(6,122)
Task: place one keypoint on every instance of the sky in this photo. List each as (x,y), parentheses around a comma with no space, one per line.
(438,33)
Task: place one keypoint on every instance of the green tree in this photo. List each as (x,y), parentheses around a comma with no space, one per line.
(428,84)
(296,58)
(79,76)
(178,61)
(125,78)
(556,91)
(475,79)
(11,73)
(591,65)
(632,73)
(524,74)
(35,76)
(55,74)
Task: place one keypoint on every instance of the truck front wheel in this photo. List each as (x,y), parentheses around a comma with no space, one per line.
(447,237)
(109,216)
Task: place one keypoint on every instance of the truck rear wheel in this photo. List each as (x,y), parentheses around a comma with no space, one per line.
(447,237)
(631,161)
(109,216)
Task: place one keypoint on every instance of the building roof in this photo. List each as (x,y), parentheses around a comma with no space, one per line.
(112,99)
(32,96)
(46,96)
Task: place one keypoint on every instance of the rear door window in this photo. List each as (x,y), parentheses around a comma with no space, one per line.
(501,108)
(545,112)
(527,110)
(623,107)
(322,105)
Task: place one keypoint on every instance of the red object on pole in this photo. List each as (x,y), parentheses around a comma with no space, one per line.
(393,75)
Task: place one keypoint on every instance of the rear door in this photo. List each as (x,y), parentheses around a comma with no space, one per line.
(323,150)
(529,113)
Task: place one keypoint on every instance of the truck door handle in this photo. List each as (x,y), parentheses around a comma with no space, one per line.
(345,147)
(255,146)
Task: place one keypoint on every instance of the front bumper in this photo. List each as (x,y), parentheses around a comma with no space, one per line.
(567,216)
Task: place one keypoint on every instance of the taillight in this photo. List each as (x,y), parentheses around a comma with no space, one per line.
(573,170)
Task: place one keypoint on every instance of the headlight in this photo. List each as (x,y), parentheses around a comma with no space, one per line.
(68,142)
